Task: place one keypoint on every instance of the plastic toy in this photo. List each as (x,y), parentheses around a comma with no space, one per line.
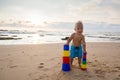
(84,61)
(66,58)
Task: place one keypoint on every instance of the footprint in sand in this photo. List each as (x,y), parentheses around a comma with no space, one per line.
(22,51)
(13,66)
(41,65)
(99,73)
(114,70)
(1,68)
(119,75)
(89,62)
(118,67)
(96,60)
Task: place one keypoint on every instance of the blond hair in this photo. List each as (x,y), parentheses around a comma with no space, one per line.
(79,24)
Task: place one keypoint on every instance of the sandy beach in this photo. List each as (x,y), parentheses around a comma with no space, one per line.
(43,62)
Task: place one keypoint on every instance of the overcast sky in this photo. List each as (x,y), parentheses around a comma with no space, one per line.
(61,10)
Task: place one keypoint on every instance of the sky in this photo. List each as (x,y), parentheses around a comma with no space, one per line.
(39,12)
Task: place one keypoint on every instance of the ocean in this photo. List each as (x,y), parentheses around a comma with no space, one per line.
(57,33)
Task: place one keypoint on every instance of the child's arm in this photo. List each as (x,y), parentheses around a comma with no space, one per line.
(84,44)
(70,38)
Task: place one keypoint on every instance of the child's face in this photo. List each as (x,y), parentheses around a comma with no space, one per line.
(79,29)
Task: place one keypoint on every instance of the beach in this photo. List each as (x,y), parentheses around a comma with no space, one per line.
(43,62)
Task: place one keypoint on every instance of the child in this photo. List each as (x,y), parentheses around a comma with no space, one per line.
(77,39)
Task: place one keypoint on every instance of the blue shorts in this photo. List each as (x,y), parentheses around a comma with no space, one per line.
(76,51)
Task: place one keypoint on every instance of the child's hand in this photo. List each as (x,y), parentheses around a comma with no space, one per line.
(67,43)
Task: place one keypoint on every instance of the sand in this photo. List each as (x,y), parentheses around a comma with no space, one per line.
(43,62)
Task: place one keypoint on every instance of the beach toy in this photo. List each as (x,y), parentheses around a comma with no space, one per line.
(84,61)
(66,53)
(66,47)
(66,58)
(66,67)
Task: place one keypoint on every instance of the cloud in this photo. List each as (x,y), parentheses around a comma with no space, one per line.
(95,10)
(62,10)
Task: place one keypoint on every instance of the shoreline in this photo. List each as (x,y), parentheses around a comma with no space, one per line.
(58,43)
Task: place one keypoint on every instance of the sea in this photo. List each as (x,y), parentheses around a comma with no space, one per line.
(57,33)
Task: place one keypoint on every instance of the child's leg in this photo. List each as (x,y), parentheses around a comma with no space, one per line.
(71,61)
(79,62)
